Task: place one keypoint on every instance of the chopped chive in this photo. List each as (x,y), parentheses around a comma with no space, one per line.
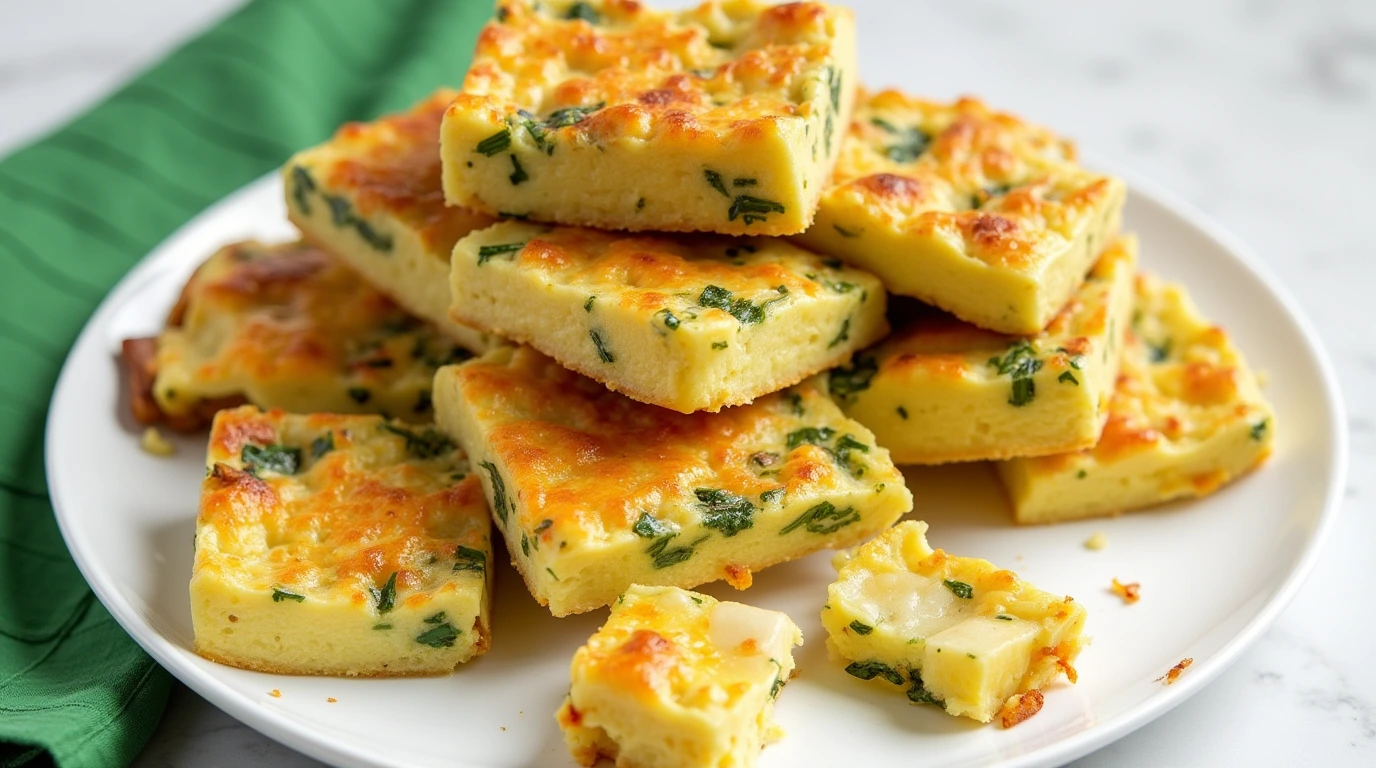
(497,142)
(603,353)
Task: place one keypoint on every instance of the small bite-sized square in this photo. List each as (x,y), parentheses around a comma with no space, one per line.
(605,113)
(284,326)
(956,632)
(941,390)
(339,545)
(688,322)
(1187,417)
(967,209)
(676,679)
(594,491)
(372,196)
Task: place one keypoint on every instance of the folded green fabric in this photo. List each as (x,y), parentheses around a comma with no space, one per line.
(82,206)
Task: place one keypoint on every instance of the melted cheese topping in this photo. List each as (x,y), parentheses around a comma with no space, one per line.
(608,113)
(1186,417)
(688,323)
(676,678)
(346,539)
(723,69)
(647,274)
(287,326)
(587,484)
(940,389)
(957,632)
(372,195)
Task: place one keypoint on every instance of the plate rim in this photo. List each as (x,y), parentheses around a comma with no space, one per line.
(313,744)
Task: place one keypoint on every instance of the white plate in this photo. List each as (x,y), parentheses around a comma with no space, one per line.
(1214,574)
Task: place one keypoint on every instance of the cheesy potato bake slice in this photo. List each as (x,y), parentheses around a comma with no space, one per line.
(686,322)
(284,326)
(942,390)
(372,196)
(956,632)
(1186,418)
(594,491)
(608,113)
(676,679)
(965,208)
(339,545)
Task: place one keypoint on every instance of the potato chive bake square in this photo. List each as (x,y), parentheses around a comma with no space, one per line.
(676,679)
(686,322)
(971,210)
(284,326)
(606,113)
(371,195)
(1186,418)
(595,492)
(339,545)
(942,390)
(956,632)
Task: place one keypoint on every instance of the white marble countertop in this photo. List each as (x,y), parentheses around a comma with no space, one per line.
(1259,112)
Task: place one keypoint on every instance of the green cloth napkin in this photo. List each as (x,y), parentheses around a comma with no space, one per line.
(82,206)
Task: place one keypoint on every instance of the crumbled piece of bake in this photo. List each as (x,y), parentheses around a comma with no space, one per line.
(956,632)
(676,679)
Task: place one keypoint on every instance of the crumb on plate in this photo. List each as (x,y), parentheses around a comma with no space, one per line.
(1175,672)
(1097,541)
(1130,593)
(153,442)
(1021,706)
(739,577)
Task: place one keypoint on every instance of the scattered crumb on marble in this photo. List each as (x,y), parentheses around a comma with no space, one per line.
(274,693)
(331,699)
(1097,541)
(153,442)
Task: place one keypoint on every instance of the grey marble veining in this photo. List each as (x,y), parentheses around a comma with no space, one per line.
(1260,112)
